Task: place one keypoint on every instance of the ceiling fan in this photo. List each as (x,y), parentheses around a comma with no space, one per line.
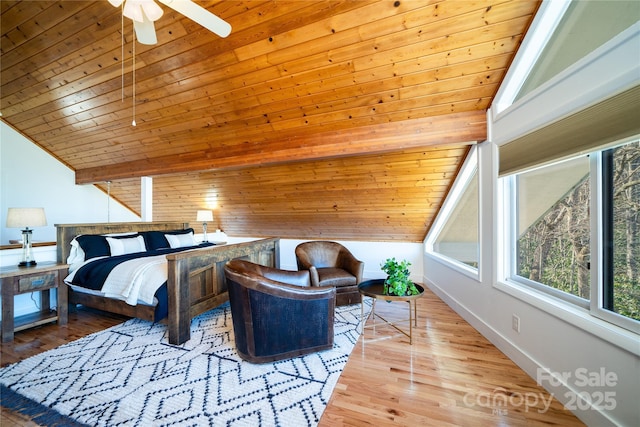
(145,12)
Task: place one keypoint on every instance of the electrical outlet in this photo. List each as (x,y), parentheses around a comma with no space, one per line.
(515,323)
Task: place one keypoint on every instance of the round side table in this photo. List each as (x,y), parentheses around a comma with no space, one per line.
(375,289)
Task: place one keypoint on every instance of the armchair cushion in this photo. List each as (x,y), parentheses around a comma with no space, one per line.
(331,276)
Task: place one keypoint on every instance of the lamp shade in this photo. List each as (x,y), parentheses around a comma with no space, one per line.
(26,217)
(204,216)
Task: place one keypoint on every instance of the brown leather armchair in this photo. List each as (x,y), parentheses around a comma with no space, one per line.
(331,264)
(276,313)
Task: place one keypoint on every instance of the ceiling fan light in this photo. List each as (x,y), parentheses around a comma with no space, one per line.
(152,10)
(133,10)
(116,3)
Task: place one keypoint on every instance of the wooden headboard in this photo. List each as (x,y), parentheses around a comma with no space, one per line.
(66,232)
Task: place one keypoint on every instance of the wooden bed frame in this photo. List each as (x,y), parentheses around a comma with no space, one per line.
(196,281)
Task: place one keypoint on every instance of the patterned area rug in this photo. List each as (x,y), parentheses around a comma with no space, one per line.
(129,375)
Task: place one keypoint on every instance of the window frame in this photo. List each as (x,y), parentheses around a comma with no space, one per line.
(469,168)
(565,296)
(593,307)
(599,280)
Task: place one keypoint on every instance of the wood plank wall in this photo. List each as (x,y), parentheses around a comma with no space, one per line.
(384,197)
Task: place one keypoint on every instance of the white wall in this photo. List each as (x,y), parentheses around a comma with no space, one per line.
(30,177)
(371,253)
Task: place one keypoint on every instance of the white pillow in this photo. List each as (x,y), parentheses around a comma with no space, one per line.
(181,240)
(76,255)
(126,246)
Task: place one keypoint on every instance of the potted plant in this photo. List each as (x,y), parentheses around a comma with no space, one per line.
(397,281)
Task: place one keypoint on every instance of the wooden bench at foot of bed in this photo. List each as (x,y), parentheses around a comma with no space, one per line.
(196,281)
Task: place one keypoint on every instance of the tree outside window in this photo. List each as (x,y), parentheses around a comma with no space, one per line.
(554,228)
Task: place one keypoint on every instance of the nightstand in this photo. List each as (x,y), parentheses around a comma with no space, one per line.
(40,278)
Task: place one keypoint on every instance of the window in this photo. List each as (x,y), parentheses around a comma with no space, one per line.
(553,227)
(456,229)
(621,217)
(579,32)
(556,240)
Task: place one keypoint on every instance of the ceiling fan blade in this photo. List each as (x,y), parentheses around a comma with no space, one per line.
(200,15)
(145,31)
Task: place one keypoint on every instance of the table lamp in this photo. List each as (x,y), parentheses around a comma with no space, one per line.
(25,218)
(204,217)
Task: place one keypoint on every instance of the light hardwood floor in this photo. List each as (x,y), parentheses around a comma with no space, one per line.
(450,376)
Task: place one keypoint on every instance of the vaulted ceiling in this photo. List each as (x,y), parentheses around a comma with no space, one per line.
(332,119)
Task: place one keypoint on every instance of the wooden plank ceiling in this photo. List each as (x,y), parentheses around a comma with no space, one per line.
(313,119)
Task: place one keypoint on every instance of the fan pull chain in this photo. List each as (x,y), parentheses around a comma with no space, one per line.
(122,52)
(133,123)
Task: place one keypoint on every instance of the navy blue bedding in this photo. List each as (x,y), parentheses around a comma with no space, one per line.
(93,274)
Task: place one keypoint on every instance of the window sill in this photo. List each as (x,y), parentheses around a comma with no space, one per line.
(460,267)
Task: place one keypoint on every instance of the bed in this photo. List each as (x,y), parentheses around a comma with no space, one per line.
(195,277)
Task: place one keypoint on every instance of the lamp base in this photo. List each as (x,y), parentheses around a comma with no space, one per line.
(27,264)
(27,254)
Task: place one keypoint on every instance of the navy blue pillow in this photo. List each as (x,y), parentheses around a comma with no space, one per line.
(95,245)
(154,240)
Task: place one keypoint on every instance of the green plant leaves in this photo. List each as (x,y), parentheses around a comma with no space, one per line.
(397,281)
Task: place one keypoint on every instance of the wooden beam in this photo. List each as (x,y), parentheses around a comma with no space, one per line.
(459,128)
